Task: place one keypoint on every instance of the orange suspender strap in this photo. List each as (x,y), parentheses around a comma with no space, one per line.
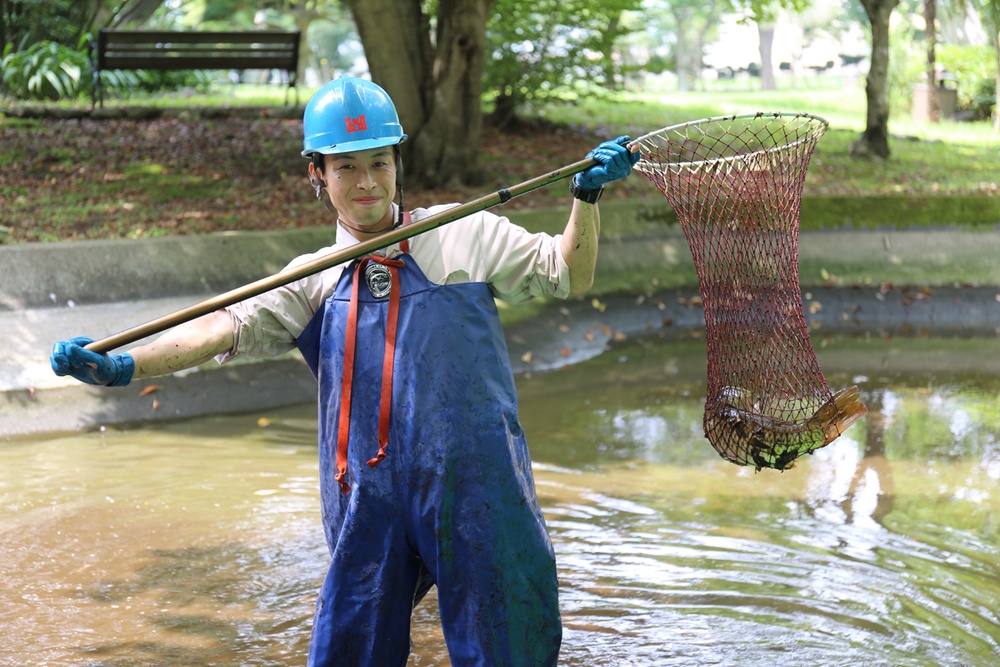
(385,404)
(344,428)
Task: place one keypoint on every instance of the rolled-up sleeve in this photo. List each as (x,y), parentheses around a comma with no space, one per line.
(522,265)
(269,324)
(518,265)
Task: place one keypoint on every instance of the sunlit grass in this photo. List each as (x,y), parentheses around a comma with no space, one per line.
(224,95)
(649,111)
(946,158)
(844,108)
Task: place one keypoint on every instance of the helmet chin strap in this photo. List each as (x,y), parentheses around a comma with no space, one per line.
(399,185)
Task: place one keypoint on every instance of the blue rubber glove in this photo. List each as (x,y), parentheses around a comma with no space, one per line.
(615,163)
(70,357)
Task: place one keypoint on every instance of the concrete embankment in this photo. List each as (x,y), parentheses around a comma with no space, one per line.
(50,292)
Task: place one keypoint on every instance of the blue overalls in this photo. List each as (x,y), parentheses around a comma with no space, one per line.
(452,502)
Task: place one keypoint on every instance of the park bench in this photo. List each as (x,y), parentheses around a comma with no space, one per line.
(169,51)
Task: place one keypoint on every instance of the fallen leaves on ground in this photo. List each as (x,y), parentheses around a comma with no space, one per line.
(115,178)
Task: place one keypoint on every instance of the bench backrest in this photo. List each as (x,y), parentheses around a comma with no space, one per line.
(159,50)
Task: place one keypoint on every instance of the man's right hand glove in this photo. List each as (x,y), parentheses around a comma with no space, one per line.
(70,357)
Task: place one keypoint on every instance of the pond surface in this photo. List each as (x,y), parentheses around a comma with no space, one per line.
(199,543)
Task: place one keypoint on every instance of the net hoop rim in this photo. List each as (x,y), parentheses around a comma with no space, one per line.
(695,164)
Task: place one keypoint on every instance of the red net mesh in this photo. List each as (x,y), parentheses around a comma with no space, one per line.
(735,184)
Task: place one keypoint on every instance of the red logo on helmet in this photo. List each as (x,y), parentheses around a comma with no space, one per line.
(356,124)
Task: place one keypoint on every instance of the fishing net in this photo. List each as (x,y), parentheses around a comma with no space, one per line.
(735,184)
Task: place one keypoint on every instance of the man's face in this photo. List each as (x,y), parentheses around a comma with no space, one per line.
(361,186)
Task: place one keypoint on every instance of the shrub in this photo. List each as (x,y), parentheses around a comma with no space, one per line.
(975,69)
(44,71)
(51,71)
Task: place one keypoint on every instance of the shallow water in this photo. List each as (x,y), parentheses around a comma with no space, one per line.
(199,543)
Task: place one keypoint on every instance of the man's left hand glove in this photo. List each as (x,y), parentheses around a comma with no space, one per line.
(615,162)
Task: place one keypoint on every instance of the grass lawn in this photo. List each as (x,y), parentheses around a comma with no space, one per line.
(927,158)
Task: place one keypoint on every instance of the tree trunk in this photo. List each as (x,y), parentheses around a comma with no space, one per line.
(875,139)
(765,34)
(933,102)
(304,14)
(611,80)
(996,105)
(134,12)
(436,87)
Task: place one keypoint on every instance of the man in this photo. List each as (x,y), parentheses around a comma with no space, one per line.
(424,469)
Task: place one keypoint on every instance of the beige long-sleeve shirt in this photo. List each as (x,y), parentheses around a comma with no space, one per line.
(516,264)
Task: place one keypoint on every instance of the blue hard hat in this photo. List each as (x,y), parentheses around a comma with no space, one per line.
(349,114)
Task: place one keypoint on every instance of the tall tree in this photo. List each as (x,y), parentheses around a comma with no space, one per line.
(694,20)
(26,22)
(930,34)
(545,48)
(273,14)
(305,12)
(435,79)
(874,141)
(765,38)
(765,14)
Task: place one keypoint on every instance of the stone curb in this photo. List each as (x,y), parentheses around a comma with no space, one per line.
(51,292)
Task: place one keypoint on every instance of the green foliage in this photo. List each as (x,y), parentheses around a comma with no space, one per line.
(26,22)
(44,71)
(335,44)
(49,71)
(122,83)
(975,68)
(551,50)
(907,67)
(225,10)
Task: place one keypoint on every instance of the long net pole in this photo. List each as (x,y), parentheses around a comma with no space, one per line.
(290,275)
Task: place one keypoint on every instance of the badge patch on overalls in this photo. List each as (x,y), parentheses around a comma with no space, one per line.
(379,279)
